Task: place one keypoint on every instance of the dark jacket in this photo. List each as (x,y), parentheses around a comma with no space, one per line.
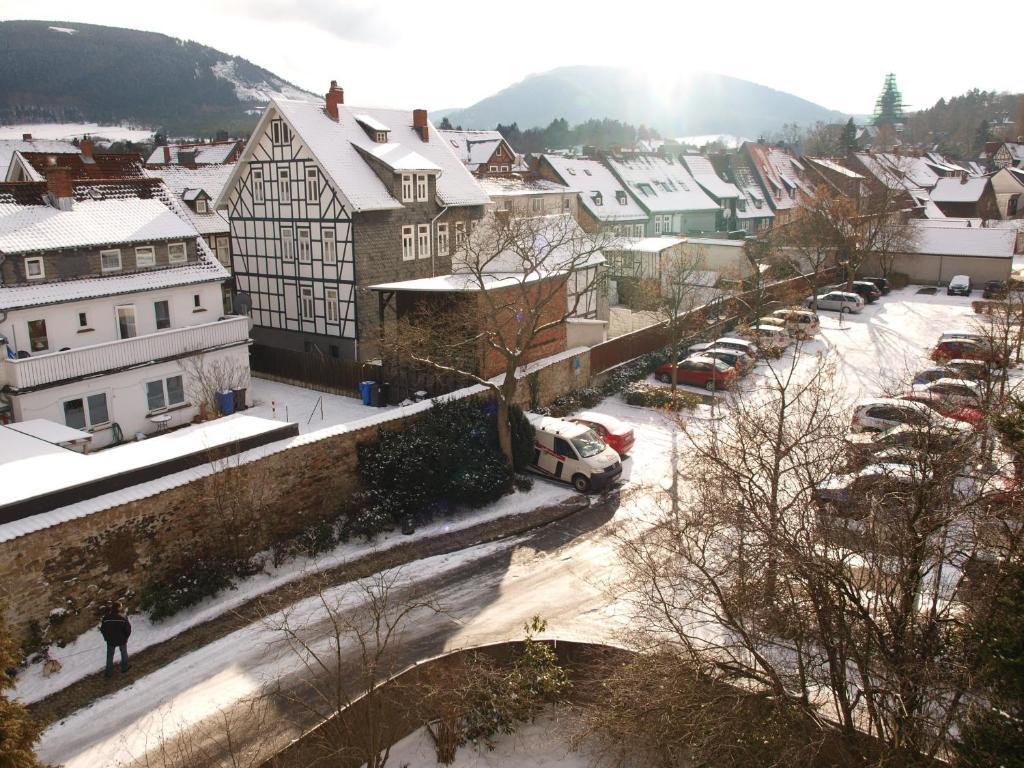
(115,628)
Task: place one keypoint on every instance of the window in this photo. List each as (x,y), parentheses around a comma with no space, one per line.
(460,233)
(536,204)
(504,169)
(176,253)
(284,186)
(197,302)
(312,185)
(587,171)
(442,240)
(306,303)
(83,320)
(37,340)
(657,225)
(330,246)
(492,169)
(421,186)
(145,255)
(287,244)
(162,311)
(638,230)
(406,187)
(163,393)
(224,250)
(620,196)
(34,269)
(125,321)
(423,236)
(562,448)
(331,304)
(408,246)
(280,133)
(86,412)
(566,203)
(305,254)
(110,261)
(257,185)
(201,205)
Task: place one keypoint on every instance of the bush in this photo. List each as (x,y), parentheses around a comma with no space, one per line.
(523,435)
(651,396)
(200,579)
(898,279)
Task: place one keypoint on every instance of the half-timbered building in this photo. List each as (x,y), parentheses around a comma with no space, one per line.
(328,199)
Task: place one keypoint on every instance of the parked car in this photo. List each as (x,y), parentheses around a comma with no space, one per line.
(881,284)
(573,454)
(934,373)
(740,361)
(962,333)
(994,289)
(960,285)
(768,335)
(698,371)
(882,413)
(866,290)
(943,436)
(964,413)
(778,322)
(849,495)
(740,345)
(966,349)
(975,370)
(617,434)
(956,391)
(799,322)
(837,301)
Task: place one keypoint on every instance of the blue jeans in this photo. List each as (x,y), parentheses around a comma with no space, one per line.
(110,658)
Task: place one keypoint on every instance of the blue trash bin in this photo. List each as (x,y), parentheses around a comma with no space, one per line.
(226,402)
(366,391)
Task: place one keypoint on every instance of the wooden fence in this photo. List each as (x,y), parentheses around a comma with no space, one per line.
(312,370)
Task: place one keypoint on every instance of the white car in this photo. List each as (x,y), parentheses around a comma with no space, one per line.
(837,301)
(882,413)
(740,345)
(956,391)
(800,322)
(770,336)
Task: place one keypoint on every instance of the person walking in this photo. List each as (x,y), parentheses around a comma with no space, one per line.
(116,630)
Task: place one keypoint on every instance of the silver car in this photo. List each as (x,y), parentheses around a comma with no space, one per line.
(837,301)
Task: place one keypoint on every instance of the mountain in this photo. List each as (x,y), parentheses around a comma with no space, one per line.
(701,103)
(54,71)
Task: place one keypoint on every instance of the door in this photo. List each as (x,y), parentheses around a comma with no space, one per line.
(126,327)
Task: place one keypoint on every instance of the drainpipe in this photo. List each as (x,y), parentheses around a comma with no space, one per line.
(433,251)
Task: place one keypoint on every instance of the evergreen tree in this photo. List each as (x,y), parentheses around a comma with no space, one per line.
(445,124)
(980,137)
(848,140)
(18,731)
(889,106)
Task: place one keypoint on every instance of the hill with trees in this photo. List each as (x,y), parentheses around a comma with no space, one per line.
(960,126)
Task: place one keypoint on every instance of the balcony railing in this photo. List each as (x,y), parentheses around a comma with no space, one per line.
(110,356)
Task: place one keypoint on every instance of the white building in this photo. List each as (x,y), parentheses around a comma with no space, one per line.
(110,309)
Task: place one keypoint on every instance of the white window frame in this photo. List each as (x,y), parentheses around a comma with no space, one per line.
(408,242)
(460,233)
(42,268)
(275,132)
(156,316)
(287,244)
(257,185)
(657,225)
(492,169)
(117,320)
(331,304)
(536,204)
(329,245)
(423,241)
(307,303)
(407,188)
(87,412)
(164,393)
(422,187)
(145,256)
(201,205)
(304,244)
(504,169)
(284,185)
(179,248)
(443,248)
(312,185)
(110,252)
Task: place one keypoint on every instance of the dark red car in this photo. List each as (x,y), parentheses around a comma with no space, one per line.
(616,434)
(699,371)
(968,349)
(940,404)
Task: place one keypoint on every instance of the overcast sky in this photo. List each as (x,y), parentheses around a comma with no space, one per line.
(453,53)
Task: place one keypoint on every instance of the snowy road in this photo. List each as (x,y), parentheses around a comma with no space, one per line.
(560,571)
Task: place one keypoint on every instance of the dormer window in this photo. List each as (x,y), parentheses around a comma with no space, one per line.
(201,205)
(620,196)
(572,171)
(407,187)
(381,137)
(598,198)
(375,129)
(422,186)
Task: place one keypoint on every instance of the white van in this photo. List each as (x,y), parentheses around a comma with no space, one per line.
(573,453)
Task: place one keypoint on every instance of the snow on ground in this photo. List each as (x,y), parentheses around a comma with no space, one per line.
(539,744)
(84,656)
(72,130)
(313,410)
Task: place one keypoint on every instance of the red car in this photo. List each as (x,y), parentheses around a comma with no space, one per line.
(938,403)
(968,349)
(698,371)
(615,433)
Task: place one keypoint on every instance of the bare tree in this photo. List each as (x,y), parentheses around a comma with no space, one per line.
(205,377)
(519,280)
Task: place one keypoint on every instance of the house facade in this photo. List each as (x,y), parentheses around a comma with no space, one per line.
(327,200)
(1008,155)
(527,195)
(718,189)
(110,308)
(965,196)
(1008,185)
(781,176)
(484,153)
(674,202)
(604,203)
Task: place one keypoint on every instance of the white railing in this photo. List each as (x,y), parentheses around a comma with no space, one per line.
(125,353)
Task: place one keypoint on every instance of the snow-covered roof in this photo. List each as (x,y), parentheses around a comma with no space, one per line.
(604,196)
(959,190)
(49,431)
(644,244)
(206,154)
(372,123)
(704,174)
(401,158)
(473,148)
(661,184)
(510,186)
(9,146)
(210,179)
(457,282)
(963,241)
(835,167)
(781,174)
(334,145)
(752,203)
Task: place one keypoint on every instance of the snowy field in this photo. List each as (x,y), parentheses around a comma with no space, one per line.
(68,131)
(567,582)
(312,410)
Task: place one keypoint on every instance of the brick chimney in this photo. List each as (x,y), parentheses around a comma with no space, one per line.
(419,123)
(58,186)
(85,147)
(167,155)
(26,137)
(334,97)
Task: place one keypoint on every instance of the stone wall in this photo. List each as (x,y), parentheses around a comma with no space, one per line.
(59,578)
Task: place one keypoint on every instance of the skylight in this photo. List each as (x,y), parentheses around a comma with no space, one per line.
(587,171)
